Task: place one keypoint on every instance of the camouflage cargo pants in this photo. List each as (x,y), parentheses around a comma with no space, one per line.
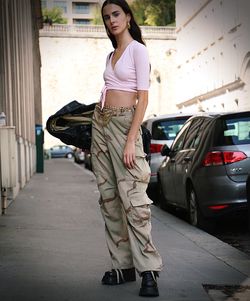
(124,203)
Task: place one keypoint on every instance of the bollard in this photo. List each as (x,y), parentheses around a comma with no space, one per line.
(4,200)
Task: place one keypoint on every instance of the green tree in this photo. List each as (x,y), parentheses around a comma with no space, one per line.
(97,20)
(54,15)
(154,12)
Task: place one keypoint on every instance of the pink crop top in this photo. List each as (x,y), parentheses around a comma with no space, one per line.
(130,73)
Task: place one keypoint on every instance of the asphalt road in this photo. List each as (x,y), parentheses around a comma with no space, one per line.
(236,233)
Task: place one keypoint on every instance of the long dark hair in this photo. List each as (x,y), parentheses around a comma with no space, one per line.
(134,29)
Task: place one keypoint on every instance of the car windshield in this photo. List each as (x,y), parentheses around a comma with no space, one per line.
(167,129)
(234,130)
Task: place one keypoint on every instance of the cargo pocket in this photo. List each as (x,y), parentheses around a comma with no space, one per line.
(141,171)
(140,213)
(140,200)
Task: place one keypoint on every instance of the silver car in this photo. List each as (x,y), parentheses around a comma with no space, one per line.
(163,129)
(206,169)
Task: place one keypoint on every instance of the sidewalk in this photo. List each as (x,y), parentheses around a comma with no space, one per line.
(52,247)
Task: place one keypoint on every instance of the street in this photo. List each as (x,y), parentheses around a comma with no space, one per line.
(232,231)
(235,233)
(52,247)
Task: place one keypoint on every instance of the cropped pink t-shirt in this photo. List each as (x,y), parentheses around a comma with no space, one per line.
(130,73)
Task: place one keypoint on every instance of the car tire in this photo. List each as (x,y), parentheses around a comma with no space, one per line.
(195,215)
(69,156)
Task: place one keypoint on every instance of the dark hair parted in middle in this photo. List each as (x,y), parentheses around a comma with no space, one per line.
(134,29)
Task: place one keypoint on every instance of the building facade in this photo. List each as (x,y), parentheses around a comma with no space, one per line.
(75,11)
(213,55)
(20,91)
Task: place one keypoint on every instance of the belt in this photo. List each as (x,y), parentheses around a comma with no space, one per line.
(107,112)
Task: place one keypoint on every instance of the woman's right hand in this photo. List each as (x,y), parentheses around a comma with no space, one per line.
(129,154)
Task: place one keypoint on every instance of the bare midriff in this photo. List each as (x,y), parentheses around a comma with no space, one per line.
(118,98)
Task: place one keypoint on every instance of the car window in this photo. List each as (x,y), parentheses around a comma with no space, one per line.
(167,129)
(233,130)
(55,148)
(180,138)
(194,133)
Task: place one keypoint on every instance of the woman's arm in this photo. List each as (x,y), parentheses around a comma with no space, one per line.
(129,150)
(142,68)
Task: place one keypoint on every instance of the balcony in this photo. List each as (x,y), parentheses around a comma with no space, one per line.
(148,32)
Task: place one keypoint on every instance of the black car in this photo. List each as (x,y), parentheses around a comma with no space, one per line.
(206,169)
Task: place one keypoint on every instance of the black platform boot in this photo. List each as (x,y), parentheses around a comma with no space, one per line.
(119,276)
(149,286)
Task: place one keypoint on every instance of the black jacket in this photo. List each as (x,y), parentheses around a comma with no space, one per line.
(72,124)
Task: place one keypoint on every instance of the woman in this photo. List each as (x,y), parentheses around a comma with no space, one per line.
(118,160)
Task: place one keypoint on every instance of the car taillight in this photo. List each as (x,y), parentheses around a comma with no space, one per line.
(221,158)
(218,207)
(155,148)
(231,157)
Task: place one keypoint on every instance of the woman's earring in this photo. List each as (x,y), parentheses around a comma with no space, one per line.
(129,25)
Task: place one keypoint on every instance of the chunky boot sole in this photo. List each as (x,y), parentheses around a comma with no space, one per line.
(149,292)
(149,286)
(119,276)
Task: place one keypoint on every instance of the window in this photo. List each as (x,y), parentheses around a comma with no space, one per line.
(233,131)
(167,129)
(62,5)
(81,8)
(43,4)
(180,138)
(194,134)
(81,21)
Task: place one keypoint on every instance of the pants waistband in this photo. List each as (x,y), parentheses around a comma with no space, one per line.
(114,110)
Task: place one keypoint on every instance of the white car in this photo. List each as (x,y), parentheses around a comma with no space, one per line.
(163,129)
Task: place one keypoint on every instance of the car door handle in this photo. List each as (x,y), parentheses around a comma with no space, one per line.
(187,159)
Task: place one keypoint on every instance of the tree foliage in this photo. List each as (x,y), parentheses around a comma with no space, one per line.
(54,15)
(97,20)
(154,12)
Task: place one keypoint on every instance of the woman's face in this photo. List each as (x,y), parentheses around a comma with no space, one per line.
(115,19)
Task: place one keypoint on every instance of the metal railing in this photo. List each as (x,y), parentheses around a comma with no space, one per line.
(157,31)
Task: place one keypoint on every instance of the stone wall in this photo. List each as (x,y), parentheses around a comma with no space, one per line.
(213,60)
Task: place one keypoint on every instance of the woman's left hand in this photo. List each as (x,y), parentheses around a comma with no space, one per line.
(129,154)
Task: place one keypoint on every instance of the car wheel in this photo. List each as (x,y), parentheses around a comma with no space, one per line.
(195,216)
(69,156)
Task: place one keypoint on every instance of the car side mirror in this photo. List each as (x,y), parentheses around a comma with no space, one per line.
(165,150)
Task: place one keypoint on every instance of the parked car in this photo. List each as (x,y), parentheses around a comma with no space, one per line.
(79,155)
(206,168)
(163,129)
(61,151)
